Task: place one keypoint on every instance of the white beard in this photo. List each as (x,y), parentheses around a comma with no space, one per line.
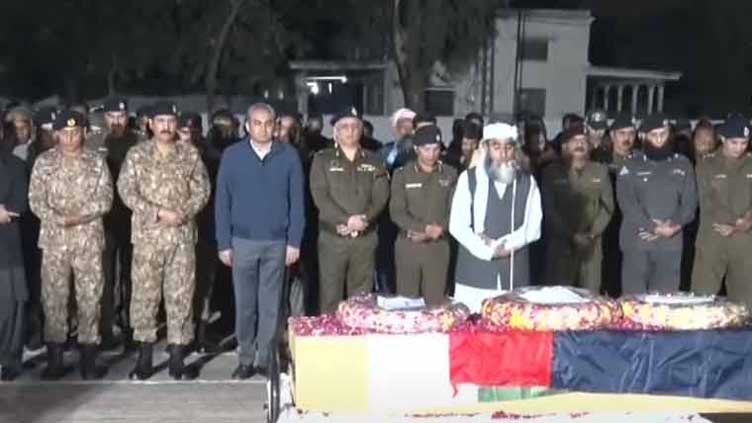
(503,173)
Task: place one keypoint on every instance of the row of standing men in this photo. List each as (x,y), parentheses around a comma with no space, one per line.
(165,188)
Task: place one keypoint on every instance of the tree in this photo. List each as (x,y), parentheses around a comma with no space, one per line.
(422,33)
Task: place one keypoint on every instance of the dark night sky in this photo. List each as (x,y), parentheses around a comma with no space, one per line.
(709,42)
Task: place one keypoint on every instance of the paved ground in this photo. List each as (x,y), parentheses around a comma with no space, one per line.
(212,398)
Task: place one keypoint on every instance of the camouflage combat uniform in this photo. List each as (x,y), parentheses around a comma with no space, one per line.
(164,258)
(62,187)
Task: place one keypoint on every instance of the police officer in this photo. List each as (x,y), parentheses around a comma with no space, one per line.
(724,240)
(578,204)
(114,144)
(623,135)
(657,195)
(419,206)
(350,188)
(596,125)
(165,184)
(70,191)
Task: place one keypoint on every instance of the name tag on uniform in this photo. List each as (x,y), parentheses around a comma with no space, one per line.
(415,185)
(336,169)
(678,172)
(749,176)
(597,180)
(444,182)
(647,173)
(722,176)
(365,167)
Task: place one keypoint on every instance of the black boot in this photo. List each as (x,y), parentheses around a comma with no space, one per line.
(144,367)
(55,369)
(128,343)
(176,367)
(89,368)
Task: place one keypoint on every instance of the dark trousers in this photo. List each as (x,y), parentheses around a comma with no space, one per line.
(258,276)
(650,271)
(345,267)
(422,269)
(116,298)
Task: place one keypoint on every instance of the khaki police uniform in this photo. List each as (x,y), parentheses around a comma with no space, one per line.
(342,188)
(419,199)
(725,191)
(576,201)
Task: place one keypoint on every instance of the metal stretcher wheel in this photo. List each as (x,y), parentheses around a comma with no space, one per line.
(273,389)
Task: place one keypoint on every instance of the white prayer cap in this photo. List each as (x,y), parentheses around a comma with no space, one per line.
(403,113)
(500,131)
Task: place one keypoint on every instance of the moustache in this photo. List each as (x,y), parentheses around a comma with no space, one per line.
(579,150)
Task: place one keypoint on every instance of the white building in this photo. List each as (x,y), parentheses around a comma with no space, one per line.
(542,55)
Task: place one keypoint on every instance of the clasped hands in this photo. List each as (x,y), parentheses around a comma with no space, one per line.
(355,224)
(431,232)
(500,250)
(663,229)
(742,224)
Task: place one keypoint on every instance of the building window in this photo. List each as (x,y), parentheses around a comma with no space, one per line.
(535,49)
(532,100)
(439,101)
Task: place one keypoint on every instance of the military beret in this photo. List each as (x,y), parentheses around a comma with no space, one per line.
(654,121)
(45,116)
(190,119)
(623,121)
(144,111)
(424,118)
(115,104)
(164,108)
(472,131)
(572,132)
(351,112)
(426,135)
(682,124)
(597,119)
(69,119)
(735,126)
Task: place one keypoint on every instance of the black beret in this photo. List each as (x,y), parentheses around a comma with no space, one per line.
(735,126)
(572,132)
(424,118)
(164,108)
(654,121)
(115,104)
(144,111)
(623,121)
(68,119)
(350,112)
(426,135)
(190,119)
(472,131)
(597,119)
(682,124)
(45,115)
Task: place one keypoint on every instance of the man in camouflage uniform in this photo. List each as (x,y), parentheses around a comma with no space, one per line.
(70,191)
(350,188)
(578,202)
(114,145)
(165,184)
(421,199)
(724,180)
